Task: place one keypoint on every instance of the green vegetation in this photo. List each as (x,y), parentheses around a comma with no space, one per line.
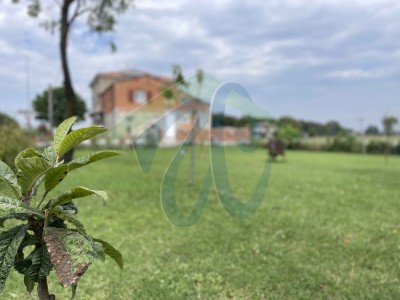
(40,104)
(12,139)
(50,236)
(328,229)
(288,134)
(344,142)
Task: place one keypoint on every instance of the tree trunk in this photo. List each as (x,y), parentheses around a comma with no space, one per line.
(387,148)
(69,90)
(192,149)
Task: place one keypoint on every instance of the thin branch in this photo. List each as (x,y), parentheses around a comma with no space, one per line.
(41,201)
(78,12)
(46,221)
(78,6)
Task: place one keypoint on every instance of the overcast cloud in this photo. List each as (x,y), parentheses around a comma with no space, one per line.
(313,59)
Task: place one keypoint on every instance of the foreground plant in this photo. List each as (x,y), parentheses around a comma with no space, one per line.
(50,235)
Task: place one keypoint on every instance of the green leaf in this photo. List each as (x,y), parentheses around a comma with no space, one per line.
(112,252)
(71,253)
(97,247)
(9,177)
(9,244)
(18,216)
(29,283)
(54,176)
(41,264)
(50,154)
(66,216)
(12,205)
(22,265)
(5,189)
(30,171)
(88,159)
(76,137)
(29,240)
(62,131)
(27,153)
(36,265)
(78,192)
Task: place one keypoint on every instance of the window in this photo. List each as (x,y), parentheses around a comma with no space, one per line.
(185,99)
(185,119)
(139,96)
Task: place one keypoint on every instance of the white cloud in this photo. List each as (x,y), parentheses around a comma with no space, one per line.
(293,44)
(353,74)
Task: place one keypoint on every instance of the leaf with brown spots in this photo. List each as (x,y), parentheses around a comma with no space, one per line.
(71,253)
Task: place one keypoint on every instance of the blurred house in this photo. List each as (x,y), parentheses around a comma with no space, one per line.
(133,106)
(263,132)
(228,135)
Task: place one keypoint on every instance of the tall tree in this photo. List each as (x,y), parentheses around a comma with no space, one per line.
(101,18)
(288,134)
(372,130)
(40,105)
(332,128)
(388,123)
(7,120)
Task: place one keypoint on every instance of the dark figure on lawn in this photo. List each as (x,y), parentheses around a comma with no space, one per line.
(276,147)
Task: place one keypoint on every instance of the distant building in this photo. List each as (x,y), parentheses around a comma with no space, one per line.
(229,136)
(128,102)
(132,105)
(262,132)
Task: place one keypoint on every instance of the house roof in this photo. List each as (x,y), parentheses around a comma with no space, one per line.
(128,74)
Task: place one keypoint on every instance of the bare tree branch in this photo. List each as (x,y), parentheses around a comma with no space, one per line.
(78,11)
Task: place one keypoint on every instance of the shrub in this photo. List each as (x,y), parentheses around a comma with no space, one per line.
(12,139)
(343,143)
(376,147)
(55,238)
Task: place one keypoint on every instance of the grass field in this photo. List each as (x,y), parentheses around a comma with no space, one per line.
(328,228)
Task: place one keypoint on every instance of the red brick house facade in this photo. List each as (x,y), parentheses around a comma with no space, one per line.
(130,101)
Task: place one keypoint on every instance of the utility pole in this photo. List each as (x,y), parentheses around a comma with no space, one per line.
(362,135)
(50,114)
(28,116)
(27,113)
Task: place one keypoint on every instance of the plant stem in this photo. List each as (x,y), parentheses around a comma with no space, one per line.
(73,289)
(46,219)
(41,201)
(43,290)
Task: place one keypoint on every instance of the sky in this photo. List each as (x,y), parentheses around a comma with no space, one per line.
(317,60)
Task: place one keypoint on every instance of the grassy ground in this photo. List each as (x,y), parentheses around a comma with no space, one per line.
(328,228)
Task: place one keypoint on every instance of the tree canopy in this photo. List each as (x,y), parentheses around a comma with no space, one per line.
(40,105)
(372,130)
(101,18)
(7,120)
(288,133)
(388,124)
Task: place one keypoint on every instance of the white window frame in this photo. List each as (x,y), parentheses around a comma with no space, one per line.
(140,96)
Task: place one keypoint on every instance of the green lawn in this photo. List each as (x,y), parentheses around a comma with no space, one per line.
(328,228)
